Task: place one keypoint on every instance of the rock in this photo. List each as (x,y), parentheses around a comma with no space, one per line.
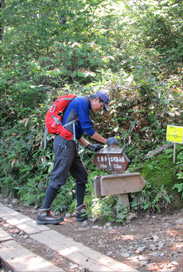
(5,201)
(14,201)
(143,263)
(34,211)
(165,225)
(140,250)
(95,227)
(74,266)
(68,215)
(175,263)
(143,258)
(152,247)
(179,250)
(160,245)
(124,253)
(109,253)
(152,267)
(179,221)
(107,225)
(155,237)
(93,220)
(84,224)
(157,254)
(130,216)
(171,265)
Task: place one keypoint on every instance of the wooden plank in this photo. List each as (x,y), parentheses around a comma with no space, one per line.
(4,236)
(121,184)
(96,182)
(21,259)
(20,221)
(80,254)
(124,200)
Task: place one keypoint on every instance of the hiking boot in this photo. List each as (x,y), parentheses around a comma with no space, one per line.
(45,216)
(81,213)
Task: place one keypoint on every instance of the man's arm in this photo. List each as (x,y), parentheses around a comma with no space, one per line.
(92,147)
(96,136)
(84,142)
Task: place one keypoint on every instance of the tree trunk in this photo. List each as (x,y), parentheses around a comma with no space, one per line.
(2,6)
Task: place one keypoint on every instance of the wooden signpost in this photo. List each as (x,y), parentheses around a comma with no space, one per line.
(119,183)
(111,158)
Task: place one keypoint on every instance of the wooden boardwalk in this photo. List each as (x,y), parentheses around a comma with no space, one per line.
(23,260)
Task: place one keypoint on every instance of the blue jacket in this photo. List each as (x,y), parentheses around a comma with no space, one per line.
(79,108)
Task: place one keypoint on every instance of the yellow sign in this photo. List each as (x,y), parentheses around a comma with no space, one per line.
(174,134)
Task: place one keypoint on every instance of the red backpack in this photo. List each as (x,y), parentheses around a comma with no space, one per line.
(55,114)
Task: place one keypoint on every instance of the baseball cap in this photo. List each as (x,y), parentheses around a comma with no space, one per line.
(104,97)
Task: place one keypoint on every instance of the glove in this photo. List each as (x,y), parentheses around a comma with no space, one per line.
(94,147)
(111,141)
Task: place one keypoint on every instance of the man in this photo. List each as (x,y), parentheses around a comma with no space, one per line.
(66,156)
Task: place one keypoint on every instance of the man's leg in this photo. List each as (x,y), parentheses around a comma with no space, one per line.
(45,216)
(80,193)
(49,197)
(80,174)
(64,151)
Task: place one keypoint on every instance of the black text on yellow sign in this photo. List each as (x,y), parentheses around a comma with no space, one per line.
(174,134)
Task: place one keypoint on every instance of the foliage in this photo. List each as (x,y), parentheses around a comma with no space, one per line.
(179,188)
(160,171)
(151,199)
(109,210)
(179,164)
(133,49)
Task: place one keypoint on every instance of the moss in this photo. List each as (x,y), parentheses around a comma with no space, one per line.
(160,171)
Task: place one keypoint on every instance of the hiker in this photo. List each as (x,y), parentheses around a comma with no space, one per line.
(66,156)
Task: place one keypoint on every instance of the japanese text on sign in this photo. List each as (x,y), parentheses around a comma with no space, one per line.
(108,162)
(111,158)
(174,134)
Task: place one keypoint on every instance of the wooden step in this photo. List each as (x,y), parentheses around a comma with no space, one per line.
(75,252)
(21,259)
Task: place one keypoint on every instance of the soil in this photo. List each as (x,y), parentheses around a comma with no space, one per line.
(146,242)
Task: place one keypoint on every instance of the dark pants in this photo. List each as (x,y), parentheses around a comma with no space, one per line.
(66,160)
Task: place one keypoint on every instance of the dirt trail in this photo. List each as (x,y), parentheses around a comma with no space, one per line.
(146,243)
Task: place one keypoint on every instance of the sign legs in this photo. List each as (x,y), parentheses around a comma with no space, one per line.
(123,200)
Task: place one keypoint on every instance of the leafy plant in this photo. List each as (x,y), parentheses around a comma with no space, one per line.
(151,199)
(179,187)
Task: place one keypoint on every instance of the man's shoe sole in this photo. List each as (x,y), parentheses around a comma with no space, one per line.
(49,222)
(81,219)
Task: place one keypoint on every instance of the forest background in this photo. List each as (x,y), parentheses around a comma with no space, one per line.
(134,50)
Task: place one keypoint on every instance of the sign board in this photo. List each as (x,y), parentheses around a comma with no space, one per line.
(174,134)
(112,158)
(121,184)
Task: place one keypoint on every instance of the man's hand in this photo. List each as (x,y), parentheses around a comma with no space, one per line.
(94,147)
(111,141)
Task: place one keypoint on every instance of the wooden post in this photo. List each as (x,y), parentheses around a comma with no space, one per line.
(119,183)
(174,151)
(124,200)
